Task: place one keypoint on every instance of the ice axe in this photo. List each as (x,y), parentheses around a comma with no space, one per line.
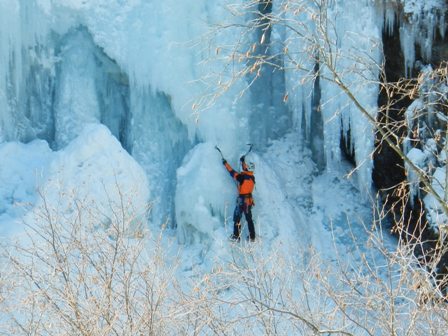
(243,156)
(250,148)
(217,148)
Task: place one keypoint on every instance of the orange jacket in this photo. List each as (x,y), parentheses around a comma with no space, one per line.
(245,179)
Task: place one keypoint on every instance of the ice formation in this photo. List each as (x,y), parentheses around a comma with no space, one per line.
(425,145)
(137,68)
(98,106)
(33,175)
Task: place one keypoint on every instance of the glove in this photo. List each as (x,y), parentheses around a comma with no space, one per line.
(242,158)
(224,161)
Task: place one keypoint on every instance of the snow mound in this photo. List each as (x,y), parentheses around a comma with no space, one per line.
(436,217)
(203,192)
(93,172)
(22,168)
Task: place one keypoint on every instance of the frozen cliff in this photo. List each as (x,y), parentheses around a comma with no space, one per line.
(140,67)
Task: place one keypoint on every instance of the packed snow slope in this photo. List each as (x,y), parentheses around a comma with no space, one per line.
(34,174)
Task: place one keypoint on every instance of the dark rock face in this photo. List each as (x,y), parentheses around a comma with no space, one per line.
(389,175)
(388,166)
(439,50)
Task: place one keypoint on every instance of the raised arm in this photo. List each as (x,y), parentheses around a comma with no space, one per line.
(229,168)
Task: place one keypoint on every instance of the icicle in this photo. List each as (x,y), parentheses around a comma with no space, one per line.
(419,21)
(442,26)
(418,158)
(10,71)
(22,26)
(389,15)
(407,41)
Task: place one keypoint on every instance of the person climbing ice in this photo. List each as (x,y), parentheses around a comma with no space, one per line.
(244,201)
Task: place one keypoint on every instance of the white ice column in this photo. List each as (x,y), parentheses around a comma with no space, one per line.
(76,101)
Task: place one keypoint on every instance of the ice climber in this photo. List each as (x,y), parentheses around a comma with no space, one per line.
(245,201)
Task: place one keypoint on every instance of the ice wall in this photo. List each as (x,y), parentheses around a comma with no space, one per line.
(203,197)
(319,42)
(420,23)
(270,116)
(155,49)
(158,141)
(137,68)
(89,87)
(130,65)
(354,56)
(76,102)
(20,32)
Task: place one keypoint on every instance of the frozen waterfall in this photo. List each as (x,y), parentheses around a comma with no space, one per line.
(138,69)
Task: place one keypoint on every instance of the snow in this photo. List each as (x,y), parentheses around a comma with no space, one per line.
(200,210)
(436,217)
(419,159)
(292,209)
(22,168)
(425,145)
(31,174)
